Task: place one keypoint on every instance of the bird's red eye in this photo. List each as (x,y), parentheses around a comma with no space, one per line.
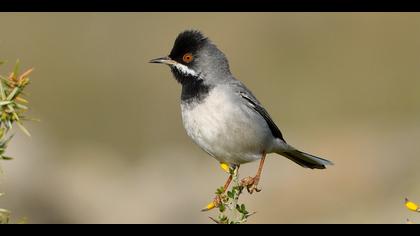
(187,58)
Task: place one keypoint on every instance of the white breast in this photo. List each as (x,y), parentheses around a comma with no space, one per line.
(226,128)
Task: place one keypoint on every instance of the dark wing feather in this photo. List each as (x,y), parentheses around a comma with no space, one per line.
(256,105)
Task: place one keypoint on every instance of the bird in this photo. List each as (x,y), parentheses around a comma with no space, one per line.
(221,115)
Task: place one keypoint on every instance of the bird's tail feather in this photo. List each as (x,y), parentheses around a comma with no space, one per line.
(306,160)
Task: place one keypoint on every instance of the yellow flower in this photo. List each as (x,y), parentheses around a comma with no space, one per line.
(225,166)
(411,205)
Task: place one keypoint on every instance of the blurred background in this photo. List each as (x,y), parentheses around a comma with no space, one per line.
(110,147)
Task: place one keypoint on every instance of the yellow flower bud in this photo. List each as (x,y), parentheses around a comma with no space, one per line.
(411,205)
(225,167)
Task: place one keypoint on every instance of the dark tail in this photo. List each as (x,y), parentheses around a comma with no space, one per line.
(306,160)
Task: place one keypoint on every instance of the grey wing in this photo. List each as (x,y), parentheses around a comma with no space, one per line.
(252,102)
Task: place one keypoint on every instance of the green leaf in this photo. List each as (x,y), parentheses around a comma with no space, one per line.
(4,142)
(222,208)
(2,92)
(4,211)
(4,216)
(230,194)
(23,129)
(8,124)
(13,94)
(6,158)
(243,207)
(239,189)
(2,133)
(223,219)
(16,69)
(23,220)
(3,103)
(30,119)
(21,106)
(11,109)
(220,190)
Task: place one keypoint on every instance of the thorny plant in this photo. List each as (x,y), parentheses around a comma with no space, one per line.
(230,210)
(12,108)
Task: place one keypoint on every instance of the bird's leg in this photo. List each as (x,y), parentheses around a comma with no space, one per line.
(216,201)
(251,183)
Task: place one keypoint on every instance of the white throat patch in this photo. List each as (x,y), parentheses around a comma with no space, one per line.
(184,69)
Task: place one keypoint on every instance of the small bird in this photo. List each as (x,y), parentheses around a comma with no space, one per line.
(221,115)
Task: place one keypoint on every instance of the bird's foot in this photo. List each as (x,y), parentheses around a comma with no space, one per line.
(251,184)
(215,203)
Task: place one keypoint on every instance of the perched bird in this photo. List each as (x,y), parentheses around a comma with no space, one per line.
(221,115)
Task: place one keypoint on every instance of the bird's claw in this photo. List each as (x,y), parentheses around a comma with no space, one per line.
(251,184)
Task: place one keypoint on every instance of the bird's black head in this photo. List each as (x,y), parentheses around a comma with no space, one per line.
(187,45)
(194,57)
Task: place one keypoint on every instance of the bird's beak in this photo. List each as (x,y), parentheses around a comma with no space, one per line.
(163,60)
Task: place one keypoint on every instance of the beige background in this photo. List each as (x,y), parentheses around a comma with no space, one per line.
(111,147)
